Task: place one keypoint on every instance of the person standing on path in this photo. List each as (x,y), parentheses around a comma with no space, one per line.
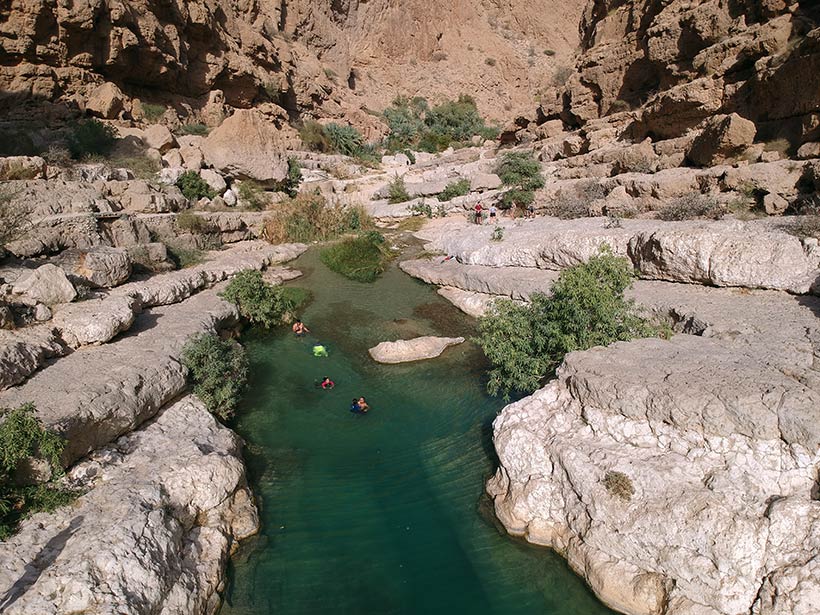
(478,213)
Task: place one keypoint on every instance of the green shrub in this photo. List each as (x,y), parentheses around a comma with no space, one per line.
(619,485)
(252,195)
(23,437)
(314,137)
(193,187)
(195,129)
(454,189)
(498,234)
(360,258)
(91,138)
(290,185)
(153,112)
(259,302)
(345,140)
(522,174)
(190,222)
(405,119)
(308,217)
(15,216)
(421,209)
(525,343)
(691,206)
(184,256)
(397,191)
(218,370)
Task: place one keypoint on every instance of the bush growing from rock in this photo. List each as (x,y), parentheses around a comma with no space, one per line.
(23,437)
(184,256)
(15,217)
(252,195)
(193,187)
(190,222)
(91,138)
(691,206)
(259,302)
(308,217)
(153,112)
(454,189)
(345,140)
(195,129)
(619,485)
(361,258)
(290,185)
(218,370)
(525,343)
(397,191)
(521,173)
(314,137)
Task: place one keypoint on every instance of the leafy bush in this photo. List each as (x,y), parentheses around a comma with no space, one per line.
(252,195)
(15,217)
(454,189)
(522,174)
(184,256)
(691,206)
(153,112)
(314,137)
(525,343)
(91,138)
(259,302)
(308,217)
(22,437)
(421,209)
(290,185)
(195,129)
(345,140)
(413,123)
(360,258)
(397,191)
(218,370)
(619,485)
(193,187)
(498,234)
(190,222)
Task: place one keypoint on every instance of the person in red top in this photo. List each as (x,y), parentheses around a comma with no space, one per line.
(327,383)
(478,213)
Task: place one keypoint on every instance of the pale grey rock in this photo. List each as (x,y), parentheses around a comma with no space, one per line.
(101,267)
(230,198)
(191,157)
(170,175)
(172,159)
(723,138)
(41,313)
(809,150)
(471,303)
(214,180)
(416,349)
(22,351)
(96,321)
(165,507)
(47,284)
(158,137)
(774,204)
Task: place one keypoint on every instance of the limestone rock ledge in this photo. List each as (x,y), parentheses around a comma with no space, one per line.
(165,508)
(416,349)
(724,516)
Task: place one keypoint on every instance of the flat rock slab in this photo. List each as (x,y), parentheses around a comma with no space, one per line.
(163,508)
(416,349)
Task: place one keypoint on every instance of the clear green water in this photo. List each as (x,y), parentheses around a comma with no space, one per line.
(383,513)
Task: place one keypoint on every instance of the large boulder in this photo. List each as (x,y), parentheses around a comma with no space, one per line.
(100,267)
(416,349)
(47,284)
(246,146)
(723,138)
(158,137)
(22,167)
(105,101)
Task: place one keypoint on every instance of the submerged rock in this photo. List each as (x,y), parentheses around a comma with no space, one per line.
(416,349)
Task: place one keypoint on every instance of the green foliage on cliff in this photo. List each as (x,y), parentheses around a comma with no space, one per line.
(218,370)
(525,343)
(193,187)
(397,191)
(522,174)
(259,302)
(309,217)
(23,437)
(91,138)
(414,124)
(454,189)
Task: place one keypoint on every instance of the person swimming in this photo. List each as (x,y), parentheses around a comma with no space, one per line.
(299,328)
(327,383)
(359,406)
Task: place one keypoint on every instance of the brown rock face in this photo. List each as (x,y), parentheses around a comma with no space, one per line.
(678,63)
(723,138)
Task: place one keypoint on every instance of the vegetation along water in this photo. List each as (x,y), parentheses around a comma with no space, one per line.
(382,513)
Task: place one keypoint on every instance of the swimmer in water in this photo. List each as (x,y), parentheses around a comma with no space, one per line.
(299,328)
(363,407)
(327,383)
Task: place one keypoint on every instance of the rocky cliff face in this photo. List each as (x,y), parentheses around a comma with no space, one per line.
(677,63)
(302,56)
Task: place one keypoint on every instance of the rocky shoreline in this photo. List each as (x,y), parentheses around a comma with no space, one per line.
(677,477)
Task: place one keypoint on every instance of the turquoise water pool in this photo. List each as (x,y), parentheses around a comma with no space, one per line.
(382,513)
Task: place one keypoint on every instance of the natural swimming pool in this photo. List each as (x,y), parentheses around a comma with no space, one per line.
(383,513)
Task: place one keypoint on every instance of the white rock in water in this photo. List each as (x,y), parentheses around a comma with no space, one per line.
(416,349)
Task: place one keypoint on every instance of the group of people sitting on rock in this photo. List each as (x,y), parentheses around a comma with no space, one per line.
(493,212)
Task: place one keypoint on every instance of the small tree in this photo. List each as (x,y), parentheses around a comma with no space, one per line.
(397,191)
(218,370)
(193,187)
(522,174)
(525,343)
(454,189)
(259,302)
(90,138)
